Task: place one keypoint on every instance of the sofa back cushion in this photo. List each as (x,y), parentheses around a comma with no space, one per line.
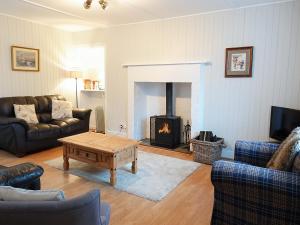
(42,105)
(7,104)
(44,108)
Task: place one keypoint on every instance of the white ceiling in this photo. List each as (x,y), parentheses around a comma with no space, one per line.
(70,14)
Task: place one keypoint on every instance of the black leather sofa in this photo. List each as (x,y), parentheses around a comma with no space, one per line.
(21,138)
(25,175)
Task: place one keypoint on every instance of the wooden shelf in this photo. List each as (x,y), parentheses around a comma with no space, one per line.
(167,63)
(96,91)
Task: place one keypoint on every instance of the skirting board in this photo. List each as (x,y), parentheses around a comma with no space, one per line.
(122,133)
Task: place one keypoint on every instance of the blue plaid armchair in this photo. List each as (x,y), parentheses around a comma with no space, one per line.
(246,193)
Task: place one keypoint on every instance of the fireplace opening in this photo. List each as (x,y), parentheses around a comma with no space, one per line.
(165,130)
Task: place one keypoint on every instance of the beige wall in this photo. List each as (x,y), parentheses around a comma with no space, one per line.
(53,45)
(90,99)
(234,108)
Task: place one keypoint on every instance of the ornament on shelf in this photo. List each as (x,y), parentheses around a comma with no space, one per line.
(187,132)
(87,84)
(95,85)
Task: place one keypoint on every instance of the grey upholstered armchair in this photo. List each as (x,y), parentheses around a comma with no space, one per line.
(83,210)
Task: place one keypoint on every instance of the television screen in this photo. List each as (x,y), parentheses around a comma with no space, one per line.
(283,121)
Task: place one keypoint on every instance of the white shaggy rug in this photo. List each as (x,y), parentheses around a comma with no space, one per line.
(157,175)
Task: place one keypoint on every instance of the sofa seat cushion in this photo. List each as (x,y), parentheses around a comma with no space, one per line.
(42,131)
(68,125)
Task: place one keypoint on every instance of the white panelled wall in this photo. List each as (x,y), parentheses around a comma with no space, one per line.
(236,108)
(53,45)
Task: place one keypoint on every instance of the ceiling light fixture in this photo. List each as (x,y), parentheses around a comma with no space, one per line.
(87,4)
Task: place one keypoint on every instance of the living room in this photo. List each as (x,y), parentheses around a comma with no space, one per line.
(98,75)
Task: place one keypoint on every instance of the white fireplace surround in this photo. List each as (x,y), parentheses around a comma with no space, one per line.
(189,72)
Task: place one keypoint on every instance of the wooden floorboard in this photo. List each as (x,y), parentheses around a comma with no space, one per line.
(189,204)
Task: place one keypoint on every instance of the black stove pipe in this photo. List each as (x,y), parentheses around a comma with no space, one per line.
(169,99)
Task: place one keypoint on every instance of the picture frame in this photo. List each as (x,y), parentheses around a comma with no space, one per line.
(238,62)
(25,59)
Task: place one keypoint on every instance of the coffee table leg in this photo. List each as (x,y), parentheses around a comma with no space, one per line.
(66,159)
(134,167)
(134,163)
(113,177)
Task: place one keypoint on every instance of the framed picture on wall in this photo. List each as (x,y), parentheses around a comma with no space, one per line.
(25,59)
(239,62)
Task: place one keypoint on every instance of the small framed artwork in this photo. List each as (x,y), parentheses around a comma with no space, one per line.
(25,59)
(239,62)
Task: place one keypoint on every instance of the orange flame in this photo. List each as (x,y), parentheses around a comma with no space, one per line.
(165,129)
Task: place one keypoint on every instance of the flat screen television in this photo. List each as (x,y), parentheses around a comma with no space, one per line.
(283,121)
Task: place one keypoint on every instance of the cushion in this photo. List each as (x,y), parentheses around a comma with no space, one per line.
(26,112)
(281,159)
(8,193)
(42,131)
(293,153)
(296,164)
(61,109)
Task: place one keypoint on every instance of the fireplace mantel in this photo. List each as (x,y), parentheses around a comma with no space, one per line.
(184,72)
(166,63)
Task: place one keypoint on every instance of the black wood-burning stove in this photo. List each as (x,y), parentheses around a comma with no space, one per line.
(165,130)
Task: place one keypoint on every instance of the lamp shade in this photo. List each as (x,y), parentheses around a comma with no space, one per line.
(74,74)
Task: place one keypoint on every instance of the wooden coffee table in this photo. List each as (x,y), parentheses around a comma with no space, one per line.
(101,150)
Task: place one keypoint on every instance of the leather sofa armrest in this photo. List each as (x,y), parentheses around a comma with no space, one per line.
(82,114)
(12,120)
(19,175)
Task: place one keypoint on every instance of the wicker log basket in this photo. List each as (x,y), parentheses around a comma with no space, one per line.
(207,152)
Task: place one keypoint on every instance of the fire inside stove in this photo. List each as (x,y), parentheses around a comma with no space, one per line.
(164,129)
